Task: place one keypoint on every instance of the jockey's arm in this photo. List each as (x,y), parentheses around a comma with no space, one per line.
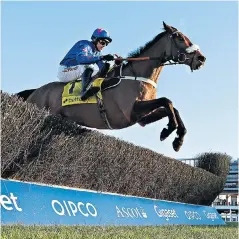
(85,55)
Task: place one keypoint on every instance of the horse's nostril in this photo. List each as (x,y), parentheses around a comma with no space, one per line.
(201,58)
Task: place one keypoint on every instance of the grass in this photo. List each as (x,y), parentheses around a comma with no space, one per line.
(229,231)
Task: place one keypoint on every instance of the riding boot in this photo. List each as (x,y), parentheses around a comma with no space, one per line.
(86,84)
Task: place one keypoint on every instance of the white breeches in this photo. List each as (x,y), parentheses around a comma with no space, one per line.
(66,74)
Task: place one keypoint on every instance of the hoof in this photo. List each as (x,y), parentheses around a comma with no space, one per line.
(141,124)
(164,134)
(177,143)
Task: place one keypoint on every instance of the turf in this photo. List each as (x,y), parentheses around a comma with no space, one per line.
(229,231)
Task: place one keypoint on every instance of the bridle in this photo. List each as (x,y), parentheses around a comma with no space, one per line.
(171,59)
(181,56)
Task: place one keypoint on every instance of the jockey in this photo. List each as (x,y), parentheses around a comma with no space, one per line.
(84,60)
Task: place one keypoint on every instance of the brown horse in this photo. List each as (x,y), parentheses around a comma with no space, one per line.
(133,100)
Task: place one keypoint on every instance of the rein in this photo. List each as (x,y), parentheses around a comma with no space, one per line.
(149,58)
(147,80)
(179,59)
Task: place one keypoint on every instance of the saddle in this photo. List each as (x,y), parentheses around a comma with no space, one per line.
(108,82)
(71,91)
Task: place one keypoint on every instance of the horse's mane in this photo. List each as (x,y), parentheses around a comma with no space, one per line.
(141,49)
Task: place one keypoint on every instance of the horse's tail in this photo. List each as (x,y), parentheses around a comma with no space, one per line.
(215,163)
(25,94)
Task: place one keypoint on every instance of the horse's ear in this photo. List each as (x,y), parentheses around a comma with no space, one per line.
(167,27)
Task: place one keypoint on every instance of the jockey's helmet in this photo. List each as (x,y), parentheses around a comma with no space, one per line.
(101,33)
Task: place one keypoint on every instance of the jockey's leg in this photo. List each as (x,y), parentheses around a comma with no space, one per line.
(67,74)
(87,82)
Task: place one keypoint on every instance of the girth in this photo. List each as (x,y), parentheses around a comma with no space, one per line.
(113,82)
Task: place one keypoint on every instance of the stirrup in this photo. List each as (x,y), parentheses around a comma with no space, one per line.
(90,92)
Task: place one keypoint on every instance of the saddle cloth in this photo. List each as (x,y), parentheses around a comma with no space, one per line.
(72,90)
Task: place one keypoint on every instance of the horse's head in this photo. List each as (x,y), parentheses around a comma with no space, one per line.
(182,50)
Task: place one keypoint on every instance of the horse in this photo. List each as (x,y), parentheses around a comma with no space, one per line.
(129,90)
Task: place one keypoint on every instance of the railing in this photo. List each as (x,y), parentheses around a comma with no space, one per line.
(230,191)
(223,203)
(232,180)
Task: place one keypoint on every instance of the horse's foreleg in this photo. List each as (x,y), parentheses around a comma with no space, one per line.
(142,108)
(153,117)
(181,131)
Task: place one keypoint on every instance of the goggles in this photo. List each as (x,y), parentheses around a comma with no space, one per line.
(103,43)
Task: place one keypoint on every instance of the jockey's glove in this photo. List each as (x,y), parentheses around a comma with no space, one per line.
(118,62)
(108,57)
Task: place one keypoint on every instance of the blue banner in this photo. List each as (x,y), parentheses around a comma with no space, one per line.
(30,203)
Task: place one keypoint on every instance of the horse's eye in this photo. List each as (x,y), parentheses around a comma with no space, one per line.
(181,38)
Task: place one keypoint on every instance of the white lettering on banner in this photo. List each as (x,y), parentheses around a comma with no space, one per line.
(79,207)
(131,212)
(88,206)
(70,207)
(5,200)
(66,208)
(211,215)
(192,215)
(165,213)
(62,213)
(73,208)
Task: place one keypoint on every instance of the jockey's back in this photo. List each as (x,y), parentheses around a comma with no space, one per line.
(83,52)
